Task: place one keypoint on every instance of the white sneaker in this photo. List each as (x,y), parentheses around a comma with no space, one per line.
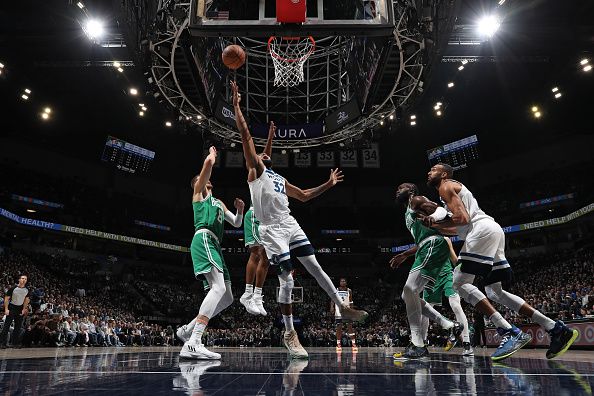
(294,346)
(190,372)
(355,315)
(245,298)
(197,351)
(291,375)
(259,303)
(251,307)
(183,334)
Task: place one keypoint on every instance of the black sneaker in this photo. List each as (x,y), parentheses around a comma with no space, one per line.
(561,339)
(415,352)
(455,332)
(468,351)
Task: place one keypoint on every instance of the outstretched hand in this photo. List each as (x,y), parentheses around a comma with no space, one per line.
(336,176)
(397,260)
(271,129)
(239,205)
(212,154)
(236,94)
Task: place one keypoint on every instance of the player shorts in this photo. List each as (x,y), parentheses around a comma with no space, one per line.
(483,252)
(283,240)
(206,254)
(340,320)
(251,235)
(443,286)
(433,254)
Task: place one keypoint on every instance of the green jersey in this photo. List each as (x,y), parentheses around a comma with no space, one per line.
(209,214)
(416,228)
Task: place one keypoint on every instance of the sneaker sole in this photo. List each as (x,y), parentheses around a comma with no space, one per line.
(498,358)
(450,347)
(576,334)
(187,355)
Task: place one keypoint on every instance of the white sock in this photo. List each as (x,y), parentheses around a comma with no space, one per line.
(498,321)
(460,317)
(432,314)
(190,326)
(288,319)
(196,337)
(258,291)
(424,327)
(542,320)
(249,289)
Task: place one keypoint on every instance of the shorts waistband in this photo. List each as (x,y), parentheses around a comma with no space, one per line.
(207,231)
(429,239)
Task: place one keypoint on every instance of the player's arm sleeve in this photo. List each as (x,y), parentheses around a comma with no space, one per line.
(234,219)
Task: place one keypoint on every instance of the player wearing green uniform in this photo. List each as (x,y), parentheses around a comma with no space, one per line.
(432,256)
(209,214)
(256,268)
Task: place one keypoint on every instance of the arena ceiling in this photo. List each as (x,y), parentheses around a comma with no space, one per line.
(538,47)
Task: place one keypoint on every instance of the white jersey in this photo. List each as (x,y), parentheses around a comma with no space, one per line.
(475,213)
(345,296)
(269,198)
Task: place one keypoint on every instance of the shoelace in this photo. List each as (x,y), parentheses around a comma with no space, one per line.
(504,339)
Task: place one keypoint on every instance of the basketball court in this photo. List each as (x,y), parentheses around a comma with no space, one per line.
(268,371)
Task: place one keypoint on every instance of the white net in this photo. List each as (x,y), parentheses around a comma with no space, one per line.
(289,54)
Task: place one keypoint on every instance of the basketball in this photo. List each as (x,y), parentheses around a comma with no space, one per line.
(233,56)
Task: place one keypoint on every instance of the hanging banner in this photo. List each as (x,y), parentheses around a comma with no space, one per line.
(280,160)
(234,159)
(348,159)
(302,160)
(371,156)
(326,159)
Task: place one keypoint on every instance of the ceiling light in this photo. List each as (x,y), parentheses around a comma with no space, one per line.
(0,72)
(31,210)
(461,67)
(94,28)
(199,116)
(534,109)
(413,117)
(141,113)
(80,5)
(232,145)
(45,116)
(168,123)
(464,61)
(436,107)
(391,116)
(133,91)
(338,239)
(27,90)
(537,114)
(438,113)
(143,108)
(488,25)
(382,122)
(584,61)
(25,97)
(501,2)
(555,89)
(439,103)
(450,84)
(1,65)
(117,64)
(557,95)
(413,123)
(140,104)
(47,110)
(120,69)
(285,151)
(587,68)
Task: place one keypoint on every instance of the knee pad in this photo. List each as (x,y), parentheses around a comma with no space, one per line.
(285,289)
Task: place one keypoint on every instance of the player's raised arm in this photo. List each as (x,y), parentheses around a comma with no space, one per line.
(249,150)
(235,219)
(205,173)
(336,177)
(271,132)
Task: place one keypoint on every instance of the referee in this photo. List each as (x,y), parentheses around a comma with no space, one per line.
(16,301)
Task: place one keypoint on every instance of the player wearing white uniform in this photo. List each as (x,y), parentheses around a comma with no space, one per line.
(483,254)
(346,295)
(280,233)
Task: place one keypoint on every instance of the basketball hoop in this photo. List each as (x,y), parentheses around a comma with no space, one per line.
(289,54)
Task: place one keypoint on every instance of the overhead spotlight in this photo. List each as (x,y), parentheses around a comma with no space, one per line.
(232,145)
(413,123)
(341,144)
(488,25)
(80,5)
(47,110)
(438,113)
(143,108)
(450,84)
(584,61)
(534,109)
(0,71)
(464,61)
(461,67)
(555,89)
(587,68)
(120,70)
(199,116)
(25,97)
(382,122)
(537,114)
(296,150)
(117,64)
(558,95)
(168,124)
(436,107)
(413,117)
(45,116)
(283,151)
(141,113)
(133,91)
(140,104)
(391,116)
(31,210)
(94,29)
(1,65)
(27,90)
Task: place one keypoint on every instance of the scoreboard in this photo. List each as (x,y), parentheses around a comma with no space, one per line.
(127,156)
(456,154)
